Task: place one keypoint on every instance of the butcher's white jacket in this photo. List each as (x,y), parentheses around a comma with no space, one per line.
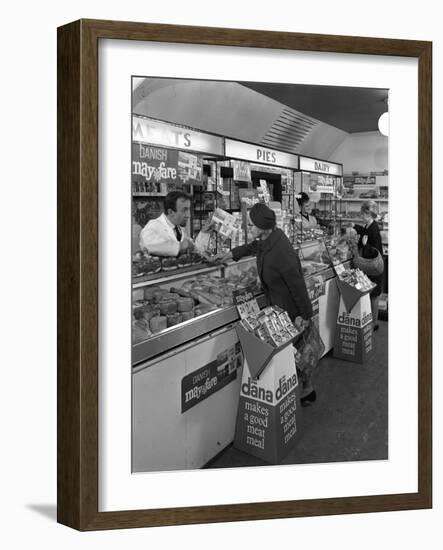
(159,239)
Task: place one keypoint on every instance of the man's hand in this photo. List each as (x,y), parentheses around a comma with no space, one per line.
(207,227)
(186,244)
(364,240)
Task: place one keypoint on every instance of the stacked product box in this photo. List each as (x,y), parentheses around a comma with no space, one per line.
(272,325)
(357,279)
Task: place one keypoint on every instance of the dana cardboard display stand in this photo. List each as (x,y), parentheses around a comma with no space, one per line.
(266,417)
(353,332)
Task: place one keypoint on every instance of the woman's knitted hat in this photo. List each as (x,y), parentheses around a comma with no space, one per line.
(262,216)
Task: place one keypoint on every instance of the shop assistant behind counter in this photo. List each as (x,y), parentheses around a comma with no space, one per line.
(165,235)
(308,221)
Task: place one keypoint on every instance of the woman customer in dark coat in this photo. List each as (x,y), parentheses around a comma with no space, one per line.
(280,271)
(370,236)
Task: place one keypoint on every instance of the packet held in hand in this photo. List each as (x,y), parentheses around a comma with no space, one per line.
(225,224)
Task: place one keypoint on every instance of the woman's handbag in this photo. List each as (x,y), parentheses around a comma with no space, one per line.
(369,260)
(309,350)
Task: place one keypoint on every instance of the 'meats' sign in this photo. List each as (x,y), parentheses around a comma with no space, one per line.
(154,132)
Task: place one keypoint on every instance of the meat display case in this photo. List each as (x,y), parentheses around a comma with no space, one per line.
(212,308)
(209,287)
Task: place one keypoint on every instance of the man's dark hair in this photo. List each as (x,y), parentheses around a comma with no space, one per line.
(170,201)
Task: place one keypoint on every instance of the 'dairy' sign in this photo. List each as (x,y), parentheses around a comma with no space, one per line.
(321,166)
(266,417)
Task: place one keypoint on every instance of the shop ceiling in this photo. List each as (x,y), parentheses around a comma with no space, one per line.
(349,109)
(306,120)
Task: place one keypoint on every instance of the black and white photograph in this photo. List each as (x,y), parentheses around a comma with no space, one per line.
(227,333)
(260,246)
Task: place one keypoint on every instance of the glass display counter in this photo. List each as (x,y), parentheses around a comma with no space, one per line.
(171,308)
(174,306)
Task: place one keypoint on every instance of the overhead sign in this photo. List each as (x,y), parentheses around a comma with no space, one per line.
(262,155)
(154,132)
(313,165)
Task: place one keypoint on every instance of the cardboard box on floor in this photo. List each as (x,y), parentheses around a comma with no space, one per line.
(353,332)
(266,424)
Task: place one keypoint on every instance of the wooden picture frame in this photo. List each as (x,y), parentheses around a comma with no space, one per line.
(77,453)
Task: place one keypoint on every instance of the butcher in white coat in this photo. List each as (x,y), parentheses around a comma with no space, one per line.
(165,235)
(308,221)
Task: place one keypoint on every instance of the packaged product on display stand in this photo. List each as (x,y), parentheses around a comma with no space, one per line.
(271,325)
(262,333)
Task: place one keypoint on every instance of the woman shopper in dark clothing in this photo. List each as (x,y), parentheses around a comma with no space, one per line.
(370,235)
(280,272)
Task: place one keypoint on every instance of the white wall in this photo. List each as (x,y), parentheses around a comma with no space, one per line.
(321,141)
(362,152)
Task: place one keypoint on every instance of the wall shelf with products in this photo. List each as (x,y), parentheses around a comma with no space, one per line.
(346,199)
(147,194)
(356,186)
(365,178)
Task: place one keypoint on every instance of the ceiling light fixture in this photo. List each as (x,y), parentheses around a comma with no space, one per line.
(383,121)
